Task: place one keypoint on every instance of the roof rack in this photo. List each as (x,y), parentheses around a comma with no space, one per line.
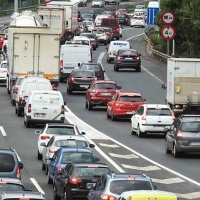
(112,174)
(188,115)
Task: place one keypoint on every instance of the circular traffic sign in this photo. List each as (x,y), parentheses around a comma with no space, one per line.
(168,17)
(168,32)
(47,1)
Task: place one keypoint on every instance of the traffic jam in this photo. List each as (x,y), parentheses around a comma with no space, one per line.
(54,71)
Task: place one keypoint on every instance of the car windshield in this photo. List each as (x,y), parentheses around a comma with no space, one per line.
(131,98)
(158,111)
(138,18)
(121,16)
(105,86)
(11,187)
(95,68)
(61,130)
(190,127)
(119,186)
(76,157)
(128,52)
(80,74)
(91,171)
(98,31)
(86,15)
(71,143)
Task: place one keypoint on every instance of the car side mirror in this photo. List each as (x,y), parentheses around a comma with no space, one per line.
(139,54)
(91,145)
(164,86)
(133,112)
(48,158)
(21,166)
(38,132)
(119,87)
(107,48)
(43,144)
(97,159)
(83,133)
(144,99)
(64,103)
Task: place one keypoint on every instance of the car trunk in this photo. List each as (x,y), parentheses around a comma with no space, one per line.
(105,93)
(87,180)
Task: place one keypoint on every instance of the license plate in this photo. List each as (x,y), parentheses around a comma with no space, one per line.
(90,185)
(128,58)
(67,70)
(159,127)
(84,86)
(39,115)
(195,143)
(105,94)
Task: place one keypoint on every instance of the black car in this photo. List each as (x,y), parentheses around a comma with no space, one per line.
(127,59)
(183,135)
(124,19)
(80,80)
(93,39)
(96,67)
(76,180)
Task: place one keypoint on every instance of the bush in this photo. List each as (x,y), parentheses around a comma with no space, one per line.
(156,40)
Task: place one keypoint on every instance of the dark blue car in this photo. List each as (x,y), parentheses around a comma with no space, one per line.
(66,155)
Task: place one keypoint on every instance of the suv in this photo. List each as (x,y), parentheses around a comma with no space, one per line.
(111,185)
(100,93)
(10,164)
(183,135)
(81,177)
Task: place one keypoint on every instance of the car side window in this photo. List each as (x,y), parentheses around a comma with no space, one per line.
(102,183)
(98,184)
(140,110)
(50,142)
(57,156)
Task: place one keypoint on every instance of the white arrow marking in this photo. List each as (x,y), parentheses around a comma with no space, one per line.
(3,131)
(130,156)
(109,145)
(148,168)
(193,195)
(168,181)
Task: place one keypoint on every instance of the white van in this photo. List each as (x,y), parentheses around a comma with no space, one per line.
(114,47)
(43,107)
(71,56)
(28,84)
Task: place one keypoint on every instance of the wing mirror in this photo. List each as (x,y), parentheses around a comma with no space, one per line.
(83,133)
(91,145)
(97,159)
(38,132)
(65,103)
(164,86)
(21,166)
(119,87)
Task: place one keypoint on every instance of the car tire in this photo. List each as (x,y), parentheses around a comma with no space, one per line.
(39,156)
(43,167)
(117,38)
(50,181)
(167,151)
(28,124)
(19,112)
(55,196)
(113,118)
(139,133)
(132,132)
(138,69)
(90,106)
(108,116)
(69,91)
(86,104)
(175,152)
(46,170)
(108,60)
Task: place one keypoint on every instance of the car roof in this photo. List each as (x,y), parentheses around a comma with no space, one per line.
(59,125)
(45,92)
(90,164)
(22,194)
(156,105)
(129,93)
(74,137)
(69,149)
(10,180)
(104,81)
(91,63)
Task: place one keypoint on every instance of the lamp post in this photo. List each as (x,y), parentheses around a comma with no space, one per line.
(16,6)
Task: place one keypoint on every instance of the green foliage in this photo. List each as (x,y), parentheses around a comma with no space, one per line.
(156,40)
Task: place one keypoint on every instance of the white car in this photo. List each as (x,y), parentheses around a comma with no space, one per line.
(90,25)
(54,129)
(137,22)
(57,141)
(102,36)
(140,8)
(3,72)
(98,3)
(151,118)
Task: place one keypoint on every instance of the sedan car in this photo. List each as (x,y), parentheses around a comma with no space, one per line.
(66,155)
(81,177)
(123,104)
(127,59)
(137,22)
(54,129)
(93,38)
(108,13)
(151,118)
(183,136)
(101,35)
(98,3)
(100,93)
(80,80)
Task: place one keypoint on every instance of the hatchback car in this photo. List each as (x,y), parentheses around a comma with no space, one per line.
(109,32)
(10,163)
(81,177)
(96,67)
(66,155)
(123,104)
(137,22)
(54,129)
(90,25)
(100,93)
(58,141)
(101,35)
(11,184)
(127,59)
(184,135)
(80,80)
(151,118)
(124,19)
(93,39)
(111,185)
(98,3)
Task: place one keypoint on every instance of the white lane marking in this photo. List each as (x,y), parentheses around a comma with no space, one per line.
(168,181)
(134,36)
(95,134)
(129,156)
(37,185)
(145,69)
(19,159)
(100,57)
(3,131)
(147,168)
(109,145)
(193,195)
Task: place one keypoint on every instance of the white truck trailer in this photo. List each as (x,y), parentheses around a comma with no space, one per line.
(70,18)
(183,85)
(33,51)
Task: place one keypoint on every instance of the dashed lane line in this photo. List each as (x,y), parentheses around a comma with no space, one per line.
(109,145)
(147,168)
(3,131)
(37,185)
(129,156)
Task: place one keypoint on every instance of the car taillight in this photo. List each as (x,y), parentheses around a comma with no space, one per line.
(61,64)
(137,58)
(16,87)
(119,57)
(95,79)
(173,117)
(18,172)
(20,98)
(107,197)
(52,150)
(144,117)
(75,180)
(54,85)
(63,109)
(44,137)
(179,134)
(29,108)
(58,167)
(72,79)
(102,74)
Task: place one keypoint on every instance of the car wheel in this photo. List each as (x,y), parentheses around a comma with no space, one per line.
(138,69)
(55,196)
(46,171)
(167,151)
(16,110)
(175,152)
(39,156)
(108,116)
(69,91)
(86,104)
(19,113)
(50,181)
(90,106)
(28,124)
(139,133)
(113,118)
(132,132)
(43,167)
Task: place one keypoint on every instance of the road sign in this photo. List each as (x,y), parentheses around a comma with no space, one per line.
(47,1)
(168,17)
(152,11)
(168,32)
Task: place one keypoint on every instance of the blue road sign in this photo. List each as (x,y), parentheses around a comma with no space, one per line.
(151,14)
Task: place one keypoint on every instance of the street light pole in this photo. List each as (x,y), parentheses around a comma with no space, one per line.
(16,6)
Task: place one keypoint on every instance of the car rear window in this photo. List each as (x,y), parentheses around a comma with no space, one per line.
(19,80)
(190,127)
(76,157)
(113,23)
(11,187)
(95,68)
(71,143)
(119,186)
(131,98)
(60,130)
(88,35)
(83,42)
(105,86)
(121,16)
(7,163)
(80,74)
(91,171)
(158,111)
(128,52)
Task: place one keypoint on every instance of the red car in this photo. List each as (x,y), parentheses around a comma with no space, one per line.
(100,93)
(123,104)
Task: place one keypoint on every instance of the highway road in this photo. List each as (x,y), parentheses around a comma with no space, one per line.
(114,143)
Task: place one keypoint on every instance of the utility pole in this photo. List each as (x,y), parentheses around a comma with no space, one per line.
(15,6)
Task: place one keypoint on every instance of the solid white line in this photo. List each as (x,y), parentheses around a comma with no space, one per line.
(37,185)
(3,131)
